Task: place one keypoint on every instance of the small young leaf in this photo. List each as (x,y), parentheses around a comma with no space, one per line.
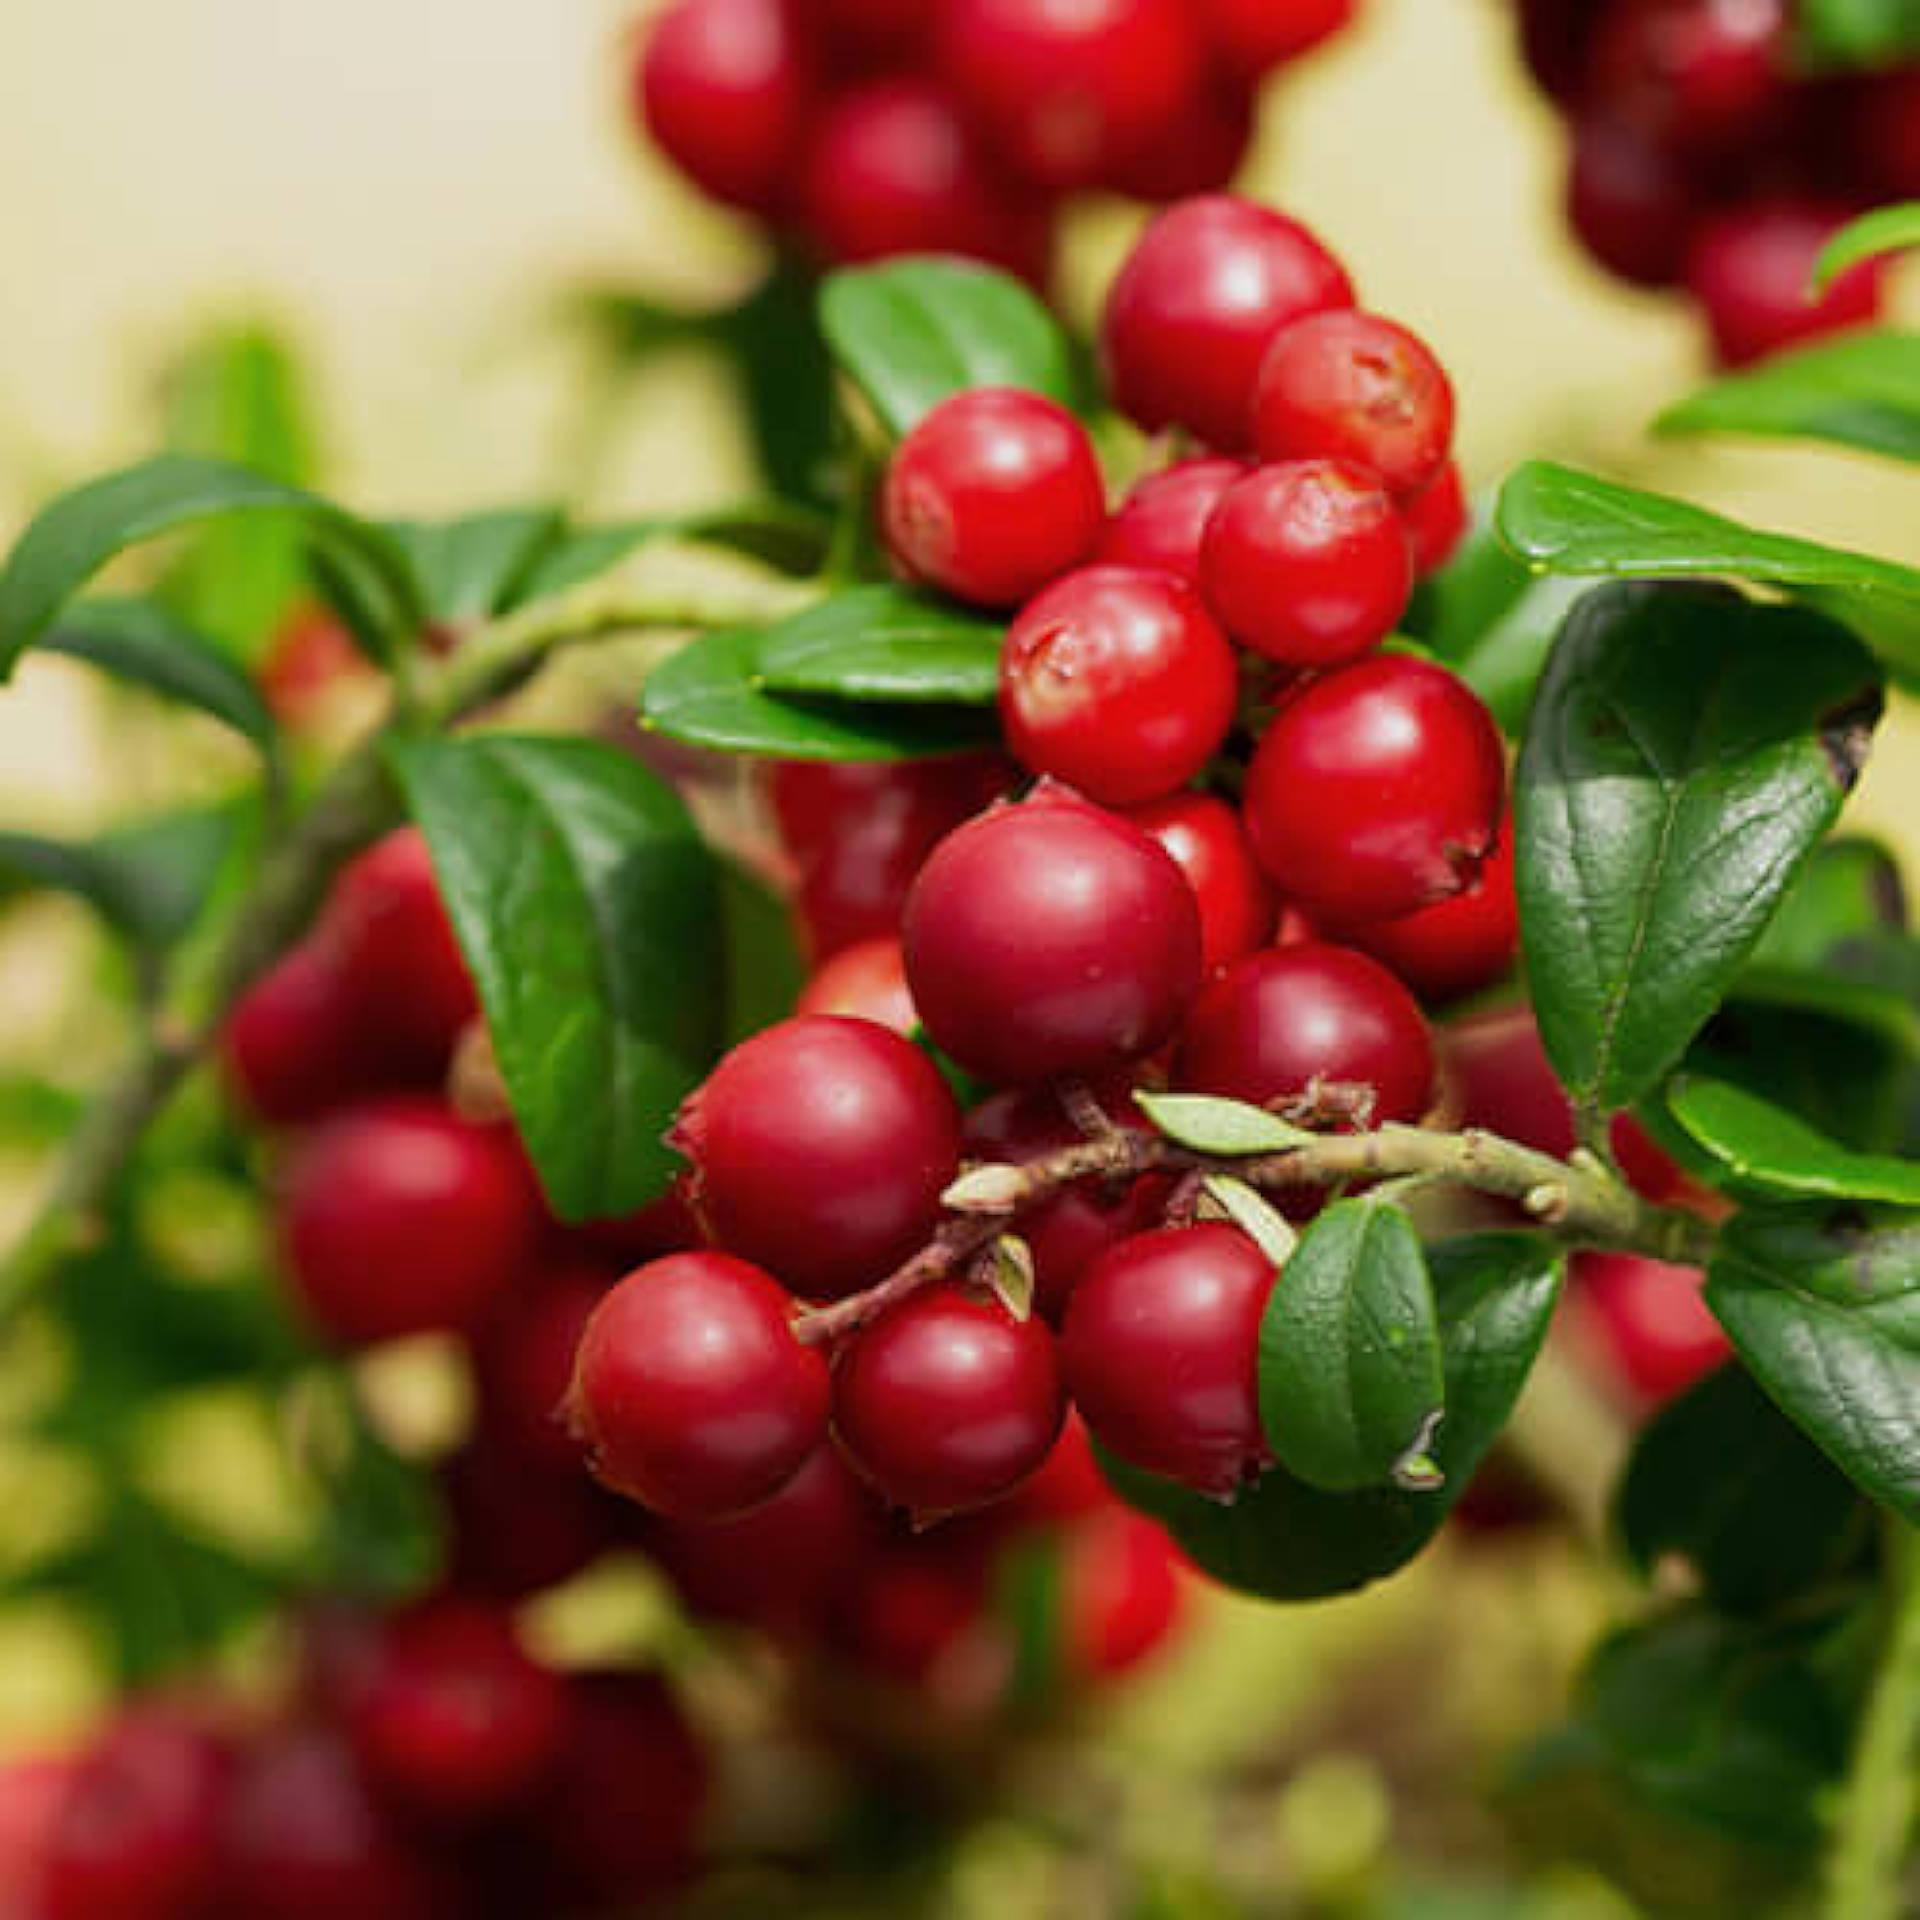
(1013,1275)
(1885,230)
(1261,1221)
(1765,1149)
(885,643)
(989,1189)
(1229,1128)
(476,566)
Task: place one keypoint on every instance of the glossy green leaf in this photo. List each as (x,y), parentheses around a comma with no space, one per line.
(590,915)
(1885,230)
(1857,33)
(778,358)
(887,644)
(765,971)
(1767,1150)
(1230,1129)
(1687,751)
(476,566)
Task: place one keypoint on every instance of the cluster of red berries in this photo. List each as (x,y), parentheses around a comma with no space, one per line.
(1702,157)
(869,128)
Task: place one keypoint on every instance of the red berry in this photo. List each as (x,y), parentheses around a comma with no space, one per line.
(521,1525)
(1121,1593)
(1201,154)
(293,1047)
(1649,1322)
(1278,1021)
(1238,908)
(1117,681)
(1050,938)
(1193,310)
(1701,76)
(1554,41)
(1751,270)
(33,1787)
(1437,519)
(523,1358)
(867,981)
(1630,202)
(1070,90)
(1454,947)
(867,31)
(916,1612)
(1255,36)
(1887,133)
(1377,789)
(948,1402)
(399,1218)
(821,1148)
(1353,386)
(1162,522)
(310,661)
(723,89)
(1068,1487)
(994,493)
(1308,562)
(1161,1351)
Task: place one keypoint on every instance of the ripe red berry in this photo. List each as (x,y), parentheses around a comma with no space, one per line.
(866,32)
(1353,386)
(294,1047)
(867,981)
(1751,270)
(398,1217)
(1050,938)
(1255,36)
(1201,153)
(1700,76)
(917,1615)
(1163,520)
(993,494)
(821,1148)
(1648,1322)
(522,1525)
(1121,1593)
(1161,1351)
(523,1358)
(1117,681)
(723,88)
(1238,907)
(33,1787)
(1554,40)
(1437,519)
(1456,946)
(948,1402)
(1192,312)
(1308,562)
(1631,204)
(1377,789)
(1886,133)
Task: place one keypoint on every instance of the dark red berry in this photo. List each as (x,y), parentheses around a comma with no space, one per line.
(1238,907)
(1630,203)
(1193,310)
(821,1148)
(1161,1351)
(399,1218)
(1457,946)
(1555,36)
(948,1402)
(1751,270)
(1377,789)
(1050,938)
(1162,522)
(1201,153)
(523,1358)
(1068,1487)
(1648,1323)
(1354,386)
(917,1615)
(1255,36)
(521,1525)
(294,1047)
(1886,133)
(1122,1595)
(1701,76)
(1117,681)
(1437,519)
(867,981)
(993,494)
(1307,562)
(869,32)
(33,1787)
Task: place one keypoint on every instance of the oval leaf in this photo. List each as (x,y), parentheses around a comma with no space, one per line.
(1764,1148)
(1851,888)
(1229,1129)
(1886,229)
(884,643)
(475,566)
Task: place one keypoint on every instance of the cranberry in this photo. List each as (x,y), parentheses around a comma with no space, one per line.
(1887,133)
(1307,562)
(867,981)
(994,493)
(1751,270)
(948,1402)
(1191,313)
(1117,681)
(821,1148)
(1630,202)
(916,1611)
(521,1525)
(294,1048)
(1699,75)
(1121,1593)
(398,1218)
(1457,946)
(523,1358)
(1161,1351)
(1238,910)
(723,89)
(1555,36)
(1437,519)
(867,32)
(1200,154)
(1649,1321)
(665,1225)
(33,1788)
(1050,938)
(1255,36)
(1352,386)
(1162,521)
(1377,789)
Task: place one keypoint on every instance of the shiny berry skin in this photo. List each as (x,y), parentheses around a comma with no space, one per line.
(294,1047)
(1255,36)
(1751,270)
(948,1402)
(1238,907)
(1050,938)
(1117,681)
(1201,153)
(523,1357)
(1163,520)
(1376,789)
(918,1615)
(447,1712)
(1193,310)
(993,494)
(1437,519)
(1456,946)
(1354,386)
(398,1218)
(867,981)
(821,1148)
(1122,1596)
(1274,1023)
(1307,562)
(690,1392)
(1701,76)
(723,89)
(1648,1322)
(1068,90)
(1161,1352)
(1630,203)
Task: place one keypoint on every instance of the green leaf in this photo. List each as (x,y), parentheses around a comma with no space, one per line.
(1857,33)
(765,971)
(1851,887)
(1885,230)
(778,358)
(1688,750)
(1823,1305)
(474,567)
(887,644)
(75,536)
(1230,1129)
(1769,1151)
(709,694)
(589,913)
(910,333)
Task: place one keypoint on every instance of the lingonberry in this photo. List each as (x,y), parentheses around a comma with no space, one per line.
(1701,76)
(1068,1487)
(1307,562)
(33,1787)
(1277,1022)
(294,1046)
(521,1525)
(1255,36)
(817,802)
(1122,1595)
(723,88)
(1199,153)
(1648,1322)
(1886,133)
(1456,946)
(1555,36)
(1161,1353)
(1751,270)
(1377,789)
(690,1392)
(1117,681)
(917,1615)
(948,1402)
(1050,938)
(1348,385)
(1194,308)
(523,1357)
(398,1217)
(1437,519)
(993,494)
(1238,907)
(1163,520)
(867,33)
(820,1149)
(867,981)
(1629,202)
